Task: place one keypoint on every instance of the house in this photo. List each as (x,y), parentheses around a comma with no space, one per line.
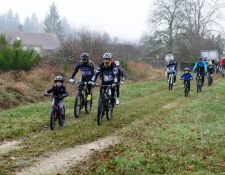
(42,43)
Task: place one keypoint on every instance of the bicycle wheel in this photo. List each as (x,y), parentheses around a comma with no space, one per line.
(60,117)
(198,87)
(186,91)
(209,81)
(78,105)
(170,83)
(88,104)
(109,111)
(52,120)
(100,111)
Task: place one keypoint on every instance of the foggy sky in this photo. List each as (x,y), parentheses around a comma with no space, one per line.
(126,19)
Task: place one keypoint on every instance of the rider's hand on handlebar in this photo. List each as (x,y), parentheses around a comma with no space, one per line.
(122,82)
(46,94)
(181,78)
(71,80)
(91,82)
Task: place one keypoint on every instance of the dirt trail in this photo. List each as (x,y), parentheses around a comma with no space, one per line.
(65,158)
(9,145)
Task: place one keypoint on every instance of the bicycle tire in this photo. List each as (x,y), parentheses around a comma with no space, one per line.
(77,105)
(186,91)
(100,111)
(52,120)
(198,86)
(209,81)
(88,104)
(109,111)
(60,117)
(170,83)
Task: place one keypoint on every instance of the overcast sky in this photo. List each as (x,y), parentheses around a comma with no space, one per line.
(126,19)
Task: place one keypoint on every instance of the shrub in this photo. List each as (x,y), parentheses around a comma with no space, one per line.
(15,58)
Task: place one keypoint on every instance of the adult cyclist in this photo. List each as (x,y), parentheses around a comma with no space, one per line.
(106,71)
(173,67)
(201,68)
(87,69)
(222,64)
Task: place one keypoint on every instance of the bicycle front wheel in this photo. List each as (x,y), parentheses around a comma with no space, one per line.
(170,82)
(52,120)
(186,91)
(100,111)
(109,111)
(209,81)
(77,105)
(88,104)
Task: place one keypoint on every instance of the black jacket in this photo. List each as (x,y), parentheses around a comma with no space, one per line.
(61,91)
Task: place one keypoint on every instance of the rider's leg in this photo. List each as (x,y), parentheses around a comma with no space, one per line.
(189,86)
(61,110)
(203,75)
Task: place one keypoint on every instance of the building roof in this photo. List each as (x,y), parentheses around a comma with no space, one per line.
(48,41)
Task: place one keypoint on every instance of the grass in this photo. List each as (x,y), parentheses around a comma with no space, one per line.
(185,138)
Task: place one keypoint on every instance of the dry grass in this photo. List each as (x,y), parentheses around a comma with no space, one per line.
(20,88)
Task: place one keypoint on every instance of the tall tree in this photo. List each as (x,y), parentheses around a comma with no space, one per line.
(53,23)
(9,20)
(3,24)
(66,26)
(34,21)
(16,22)
(28,26)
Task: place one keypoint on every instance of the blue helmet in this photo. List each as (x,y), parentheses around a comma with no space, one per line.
(200,58)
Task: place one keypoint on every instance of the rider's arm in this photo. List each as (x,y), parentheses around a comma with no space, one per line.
(191,76)
(195,66)
(98,72)
(92,69)
(205,67)
(65,93)
(122,74)
(49,90)
(76,70)
(182,76)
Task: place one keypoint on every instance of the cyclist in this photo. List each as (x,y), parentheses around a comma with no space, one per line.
(209,61)
(187,76)
(173,67)
(58,90)
(222,64)
(106,71)
(202,68)
(119,73)
(86,67)
(206,61)
(210,70)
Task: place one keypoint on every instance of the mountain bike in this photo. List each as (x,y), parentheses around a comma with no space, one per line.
(209,77)
(55,113)
(186,91)
(199,82)
(82,100)
(105,104)
(171,79)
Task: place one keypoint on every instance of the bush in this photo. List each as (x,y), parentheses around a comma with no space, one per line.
(15,58)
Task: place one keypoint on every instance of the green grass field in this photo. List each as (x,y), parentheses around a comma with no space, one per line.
(163,132)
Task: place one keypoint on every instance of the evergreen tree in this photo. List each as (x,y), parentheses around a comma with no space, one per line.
(66,26)
(53,23)
(3,24)
(9,20)
(16,22)
(34,21)
(27,27)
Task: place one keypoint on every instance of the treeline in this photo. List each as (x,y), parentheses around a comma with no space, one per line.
(13,57)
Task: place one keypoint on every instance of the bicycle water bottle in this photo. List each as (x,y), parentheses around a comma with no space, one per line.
(109,92)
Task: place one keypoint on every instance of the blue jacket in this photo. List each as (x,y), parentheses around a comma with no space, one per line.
(187,76)
(201,66)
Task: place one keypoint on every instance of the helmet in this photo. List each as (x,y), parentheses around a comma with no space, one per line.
(84,56)
(58,78)
(171,60)
(117,63)
(107,55)
(200,58)
(186,69)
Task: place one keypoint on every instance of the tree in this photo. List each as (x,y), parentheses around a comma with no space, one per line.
(16,22)
(28,26)
(53,23)
(34,21)
(66,26)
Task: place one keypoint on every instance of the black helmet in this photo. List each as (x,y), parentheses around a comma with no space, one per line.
(186,69)
(200,58)
(171,60)
(84,56)
(58,78)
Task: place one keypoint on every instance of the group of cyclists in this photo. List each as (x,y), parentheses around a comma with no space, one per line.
(108,71)
(203,66)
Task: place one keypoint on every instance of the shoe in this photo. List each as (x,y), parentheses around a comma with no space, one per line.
(189,93)
(174,84)
(117,101)
(63,119)
(88,97)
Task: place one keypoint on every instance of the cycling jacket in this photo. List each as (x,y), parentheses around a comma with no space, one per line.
(187,76)
(202,66)
(87,69)
(172,66)
(222,62)
(119,73)
(58,91)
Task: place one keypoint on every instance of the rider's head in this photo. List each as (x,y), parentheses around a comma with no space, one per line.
(107,59)
(200,59)
(186,70)
(58,80)
(208,59)
(84,57)
(205,58)
(171,60)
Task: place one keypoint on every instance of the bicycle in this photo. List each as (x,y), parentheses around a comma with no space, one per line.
(105,104)
(55,113)
(171,79)
(209,77)
(82,100)
(199,82)
(186,91)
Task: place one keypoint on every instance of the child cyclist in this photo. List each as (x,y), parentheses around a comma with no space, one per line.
(58,90)
(187,77)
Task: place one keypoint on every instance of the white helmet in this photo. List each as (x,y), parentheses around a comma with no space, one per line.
(107,55)
(117,63)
